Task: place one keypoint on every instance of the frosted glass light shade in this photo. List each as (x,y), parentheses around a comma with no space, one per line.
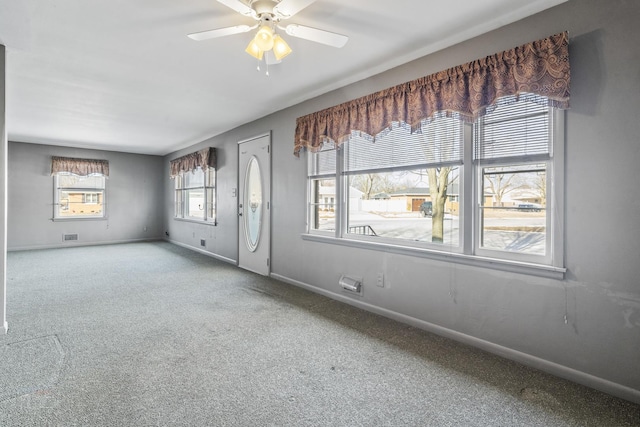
(264,38)
(280,47)
(253,50)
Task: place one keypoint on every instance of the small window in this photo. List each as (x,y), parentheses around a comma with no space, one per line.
(79,196)
(195,195)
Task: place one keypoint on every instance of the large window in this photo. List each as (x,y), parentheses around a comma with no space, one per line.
(79,196)
(400,188)
(487,190)
(195,195)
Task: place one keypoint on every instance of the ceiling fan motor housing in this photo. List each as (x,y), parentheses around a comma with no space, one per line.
(264,9)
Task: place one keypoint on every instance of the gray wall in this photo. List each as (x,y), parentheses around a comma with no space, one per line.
(134,199)
(3,189)
(517,315)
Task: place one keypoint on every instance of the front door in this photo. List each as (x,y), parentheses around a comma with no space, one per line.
(254,204)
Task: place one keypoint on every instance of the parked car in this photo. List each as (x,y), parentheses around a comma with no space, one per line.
(529,207)
(426,209)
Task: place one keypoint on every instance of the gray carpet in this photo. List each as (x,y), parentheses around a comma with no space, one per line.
(153,334)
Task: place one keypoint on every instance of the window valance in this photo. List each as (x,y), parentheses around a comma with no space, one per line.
(81,167)
(539,70)
(203,158)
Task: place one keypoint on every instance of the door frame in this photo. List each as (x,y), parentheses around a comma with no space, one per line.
(268,179)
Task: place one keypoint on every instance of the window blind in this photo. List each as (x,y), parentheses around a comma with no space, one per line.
(517,129)
(323,163)
(437,142)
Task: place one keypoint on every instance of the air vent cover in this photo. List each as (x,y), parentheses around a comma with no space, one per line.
(70,237)
(351,284)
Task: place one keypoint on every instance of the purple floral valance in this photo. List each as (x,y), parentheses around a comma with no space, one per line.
(80,167)
(467,92)
(204,159)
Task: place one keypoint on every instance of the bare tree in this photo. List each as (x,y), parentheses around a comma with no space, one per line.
(438,140)
(438,184)
(499,184)
(365,183)
(541,186)
(371,184)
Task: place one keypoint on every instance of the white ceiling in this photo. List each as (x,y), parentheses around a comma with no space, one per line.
(122,75)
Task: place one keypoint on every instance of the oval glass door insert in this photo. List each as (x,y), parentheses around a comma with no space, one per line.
(253,204)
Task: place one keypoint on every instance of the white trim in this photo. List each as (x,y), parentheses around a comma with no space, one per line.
(261,135)
(5,327)
(196,221)
(553,368)
(202,251)
(75,244)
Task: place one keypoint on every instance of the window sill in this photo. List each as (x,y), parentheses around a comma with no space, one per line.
(92,218)
(472,260)
(195,221)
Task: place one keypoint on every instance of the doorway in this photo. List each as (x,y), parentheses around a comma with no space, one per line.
(254,204)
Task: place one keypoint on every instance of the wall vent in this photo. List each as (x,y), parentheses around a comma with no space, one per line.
(70,237)
(351,284)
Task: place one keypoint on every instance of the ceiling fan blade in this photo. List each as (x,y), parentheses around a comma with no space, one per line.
(288,8)
(316,35)
(220,32)
(239,7)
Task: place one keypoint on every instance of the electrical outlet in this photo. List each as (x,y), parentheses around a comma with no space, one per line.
(380,281)
(203,243)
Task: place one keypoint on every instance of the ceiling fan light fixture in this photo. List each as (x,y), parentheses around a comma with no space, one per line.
(280,47)
(254,50)
(264,38)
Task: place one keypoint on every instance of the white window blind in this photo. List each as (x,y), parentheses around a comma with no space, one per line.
(437,143)
(323,162)
(513,130)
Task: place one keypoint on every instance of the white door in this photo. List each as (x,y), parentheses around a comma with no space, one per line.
(254,204)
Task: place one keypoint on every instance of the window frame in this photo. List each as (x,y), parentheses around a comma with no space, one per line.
(209,191)
(100,192)
(550,265)
(478,216)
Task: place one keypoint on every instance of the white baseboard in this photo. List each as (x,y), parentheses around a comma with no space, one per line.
(77,244)
(202,251)
(553,368)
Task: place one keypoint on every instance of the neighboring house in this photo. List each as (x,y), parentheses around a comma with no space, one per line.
(526,195)
(515,197)
(380,196)
(413,198)
(81,203)
(327,196)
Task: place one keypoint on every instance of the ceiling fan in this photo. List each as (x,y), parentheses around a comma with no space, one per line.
(269,14)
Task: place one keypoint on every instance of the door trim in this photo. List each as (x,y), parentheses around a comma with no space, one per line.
(239,237)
